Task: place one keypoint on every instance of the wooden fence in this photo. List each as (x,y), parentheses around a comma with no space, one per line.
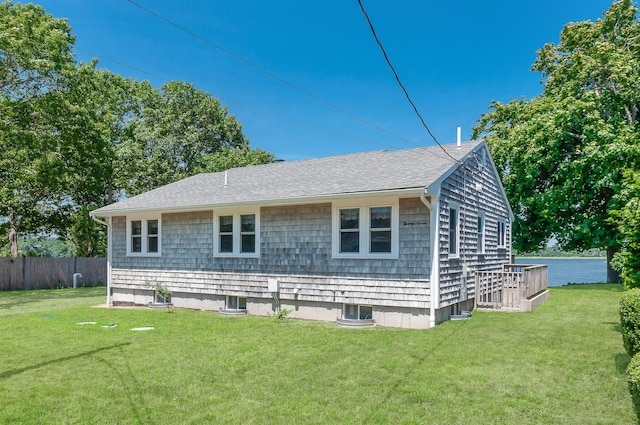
(50,273)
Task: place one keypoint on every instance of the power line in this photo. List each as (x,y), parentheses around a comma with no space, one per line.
(395,74)
(269,74)
(273,114)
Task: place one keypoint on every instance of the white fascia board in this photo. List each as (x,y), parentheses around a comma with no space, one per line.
(414,191)
(504,193)
(434,188)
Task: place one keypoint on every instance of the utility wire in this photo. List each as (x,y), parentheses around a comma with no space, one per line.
(269,74)
(395,74)
(273,114)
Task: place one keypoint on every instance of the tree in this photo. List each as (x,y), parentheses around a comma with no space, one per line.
(35,51)
(561,155)
(180,128)
(626,218)
(74,138)
(241,156)
(96,113)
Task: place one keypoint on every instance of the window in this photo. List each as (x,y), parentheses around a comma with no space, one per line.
(350,230)
(366,230)
(136,235)
(237,234)
(236,303)
(502,233)
(358,312)
(454,243)
(143,236)
(248,233)
(152,235)
(380,228)
(226,233)
(480,233)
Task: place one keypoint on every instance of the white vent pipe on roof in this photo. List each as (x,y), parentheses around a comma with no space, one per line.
(459,136)
(225,179)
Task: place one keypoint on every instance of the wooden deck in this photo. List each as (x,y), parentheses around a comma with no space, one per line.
(517,287)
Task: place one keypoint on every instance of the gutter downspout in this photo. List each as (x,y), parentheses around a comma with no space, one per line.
(434,281)
(108,225)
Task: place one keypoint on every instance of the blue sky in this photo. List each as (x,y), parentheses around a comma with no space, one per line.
(453,57)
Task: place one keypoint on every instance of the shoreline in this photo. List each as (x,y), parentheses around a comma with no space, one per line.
(561,258)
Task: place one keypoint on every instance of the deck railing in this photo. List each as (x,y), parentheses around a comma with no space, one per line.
(508,288)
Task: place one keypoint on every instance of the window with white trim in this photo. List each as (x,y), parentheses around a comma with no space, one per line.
(368,229)
(143,236)
(480,233)
(454,231)
(237,234)
(502,233)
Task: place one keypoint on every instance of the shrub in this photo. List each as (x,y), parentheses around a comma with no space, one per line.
(630,320)
(633,378)
(281,314)
(625,216)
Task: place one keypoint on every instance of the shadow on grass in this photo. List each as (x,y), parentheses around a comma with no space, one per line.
(131,384)
(419,359)
(17,299)
(10,373)
(622,362)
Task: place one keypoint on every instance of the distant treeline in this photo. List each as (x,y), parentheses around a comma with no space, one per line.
(557,252)
(41,247)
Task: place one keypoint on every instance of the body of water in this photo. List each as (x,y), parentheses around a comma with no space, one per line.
(563,271)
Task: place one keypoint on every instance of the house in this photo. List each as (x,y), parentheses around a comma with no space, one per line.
(385,237)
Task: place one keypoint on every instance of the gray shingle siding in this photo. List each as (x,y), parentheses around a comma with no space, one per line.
(295,240)
(296,202)
(474,188)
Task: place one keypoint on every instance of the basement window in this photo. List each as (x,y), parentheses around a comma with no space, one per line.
(236,303)
(358,312)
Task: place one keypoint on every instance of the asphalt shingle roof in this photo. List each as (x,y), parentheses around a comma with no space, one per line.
(297,180)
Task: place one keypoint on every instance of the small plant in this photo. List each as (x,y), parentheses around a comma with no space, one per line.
(281,314)
(162,293)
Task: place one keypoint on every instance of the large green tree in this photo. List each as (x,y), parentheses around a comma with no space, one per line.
(74,138)
(180,128)
(35,53)
(561,155)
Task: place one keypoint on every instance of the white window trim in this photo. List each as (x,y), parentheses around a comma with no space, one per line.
(482,247)
(364,205)
(504,241)
(458,227)
(237,240)
(145,240)
(238,298)
(358,308)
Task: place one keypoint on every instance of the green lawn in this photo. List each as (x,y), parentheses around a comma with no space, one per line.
(563,364)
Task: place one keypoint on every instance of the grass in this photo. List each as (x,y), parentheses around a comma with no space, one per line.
(563,364)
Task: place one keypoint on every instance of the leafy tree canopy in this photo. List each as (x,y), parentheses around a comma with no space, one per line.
(35,53)
(74,138)
(561,155)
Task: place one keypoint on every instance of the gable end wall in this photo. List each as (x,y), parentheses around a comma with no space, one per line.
(473,188)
